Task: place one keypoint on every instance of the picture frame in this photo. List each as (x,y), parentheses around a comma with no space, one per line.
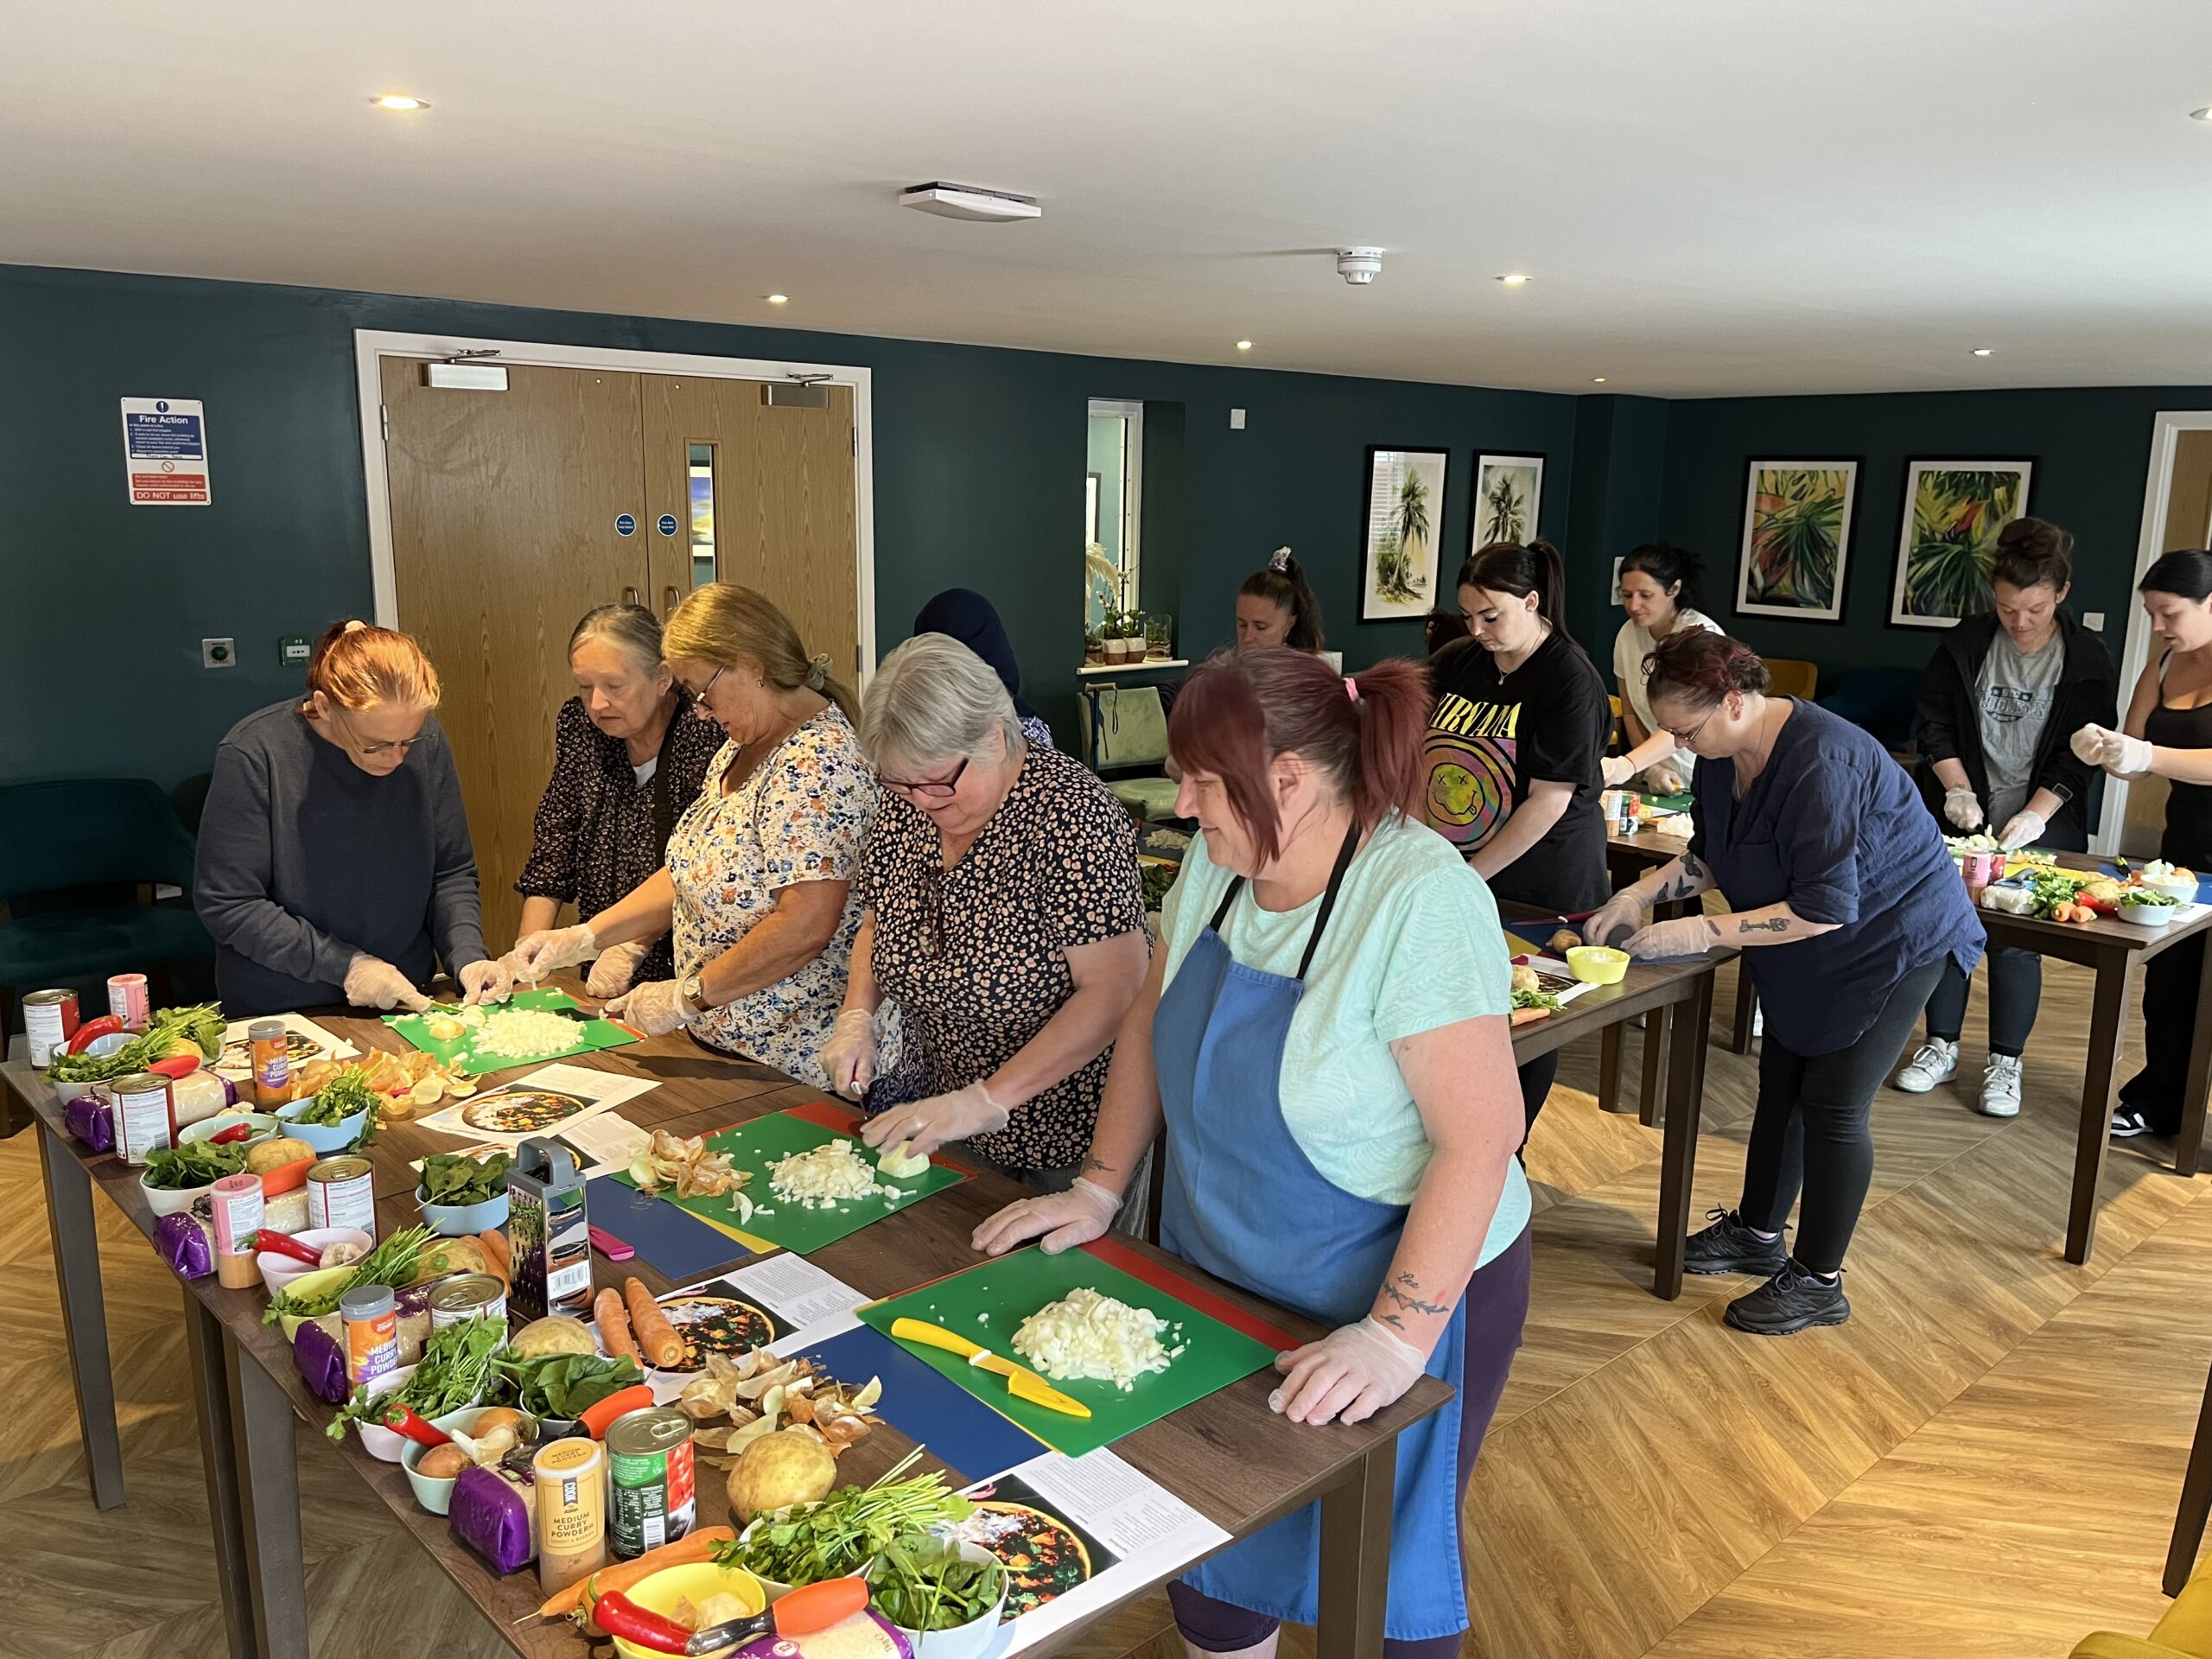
(1402,517)
(1947,531)
(1795,543)
(1509,498)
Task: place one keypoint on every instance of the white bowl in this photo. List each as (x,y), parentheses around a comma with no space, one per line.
(68,1091)
(323,1137)
(2181,887)
(966,1641)
(260,1127)
(377,1441)
(2147,915)
(169,1200)
(278,1271)
(437,1495)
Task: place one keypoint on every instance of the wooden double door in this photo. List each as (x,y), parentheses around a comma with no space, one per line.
(514,512)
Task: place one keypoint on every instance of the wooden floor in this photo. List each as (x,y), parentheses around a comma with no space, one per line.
(1984,1461)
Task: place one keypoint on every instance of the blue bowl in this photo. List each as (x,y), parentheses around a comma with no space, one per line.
(459,1220)
(321,1136)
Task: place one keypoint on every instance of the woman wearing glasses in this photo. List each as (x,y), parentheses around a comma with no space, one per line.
(757,884)
(1004,916)
(334,863)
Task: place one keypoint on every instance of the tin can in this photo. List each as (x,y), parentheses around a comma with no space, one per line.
(128,1001)
(272,1062)
(49,1021)
(652,1480)
(1981,869)
(1619,807)
(570,1486)
(144,1118)
(239,1210)
(342,1193)
(371,1314)
(471,1296)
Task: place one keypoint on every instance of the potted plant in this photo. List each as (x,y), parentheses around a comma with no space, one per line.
(1158,636)
(1133,645)
(1094,645)
(1115,648)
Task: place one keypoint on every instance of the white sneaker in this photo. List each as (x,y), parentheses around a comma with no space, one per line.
(1936,1062)
(2000,1087)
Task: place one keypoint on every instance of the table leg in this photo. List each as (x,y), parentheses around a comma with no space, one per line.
(1609,1068)
(2111,997)
(2190,1141)
(1678,1151)
(2196,1506)
(1649,1108)
(1747,1008)
(1355,1557)
(84,1314)
(210,1401)
(268,1505)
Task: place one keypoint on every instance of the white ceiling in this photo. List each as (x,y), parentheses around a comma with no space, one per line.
(1714,196)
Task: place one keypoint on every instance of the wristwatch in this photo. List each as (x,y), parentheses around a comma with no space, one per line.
(693,991)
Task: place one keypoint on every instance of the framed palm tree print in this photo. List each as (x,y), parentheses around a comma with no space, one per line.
(1404,513)
(1796,538)
(1509,489)
(1953,511)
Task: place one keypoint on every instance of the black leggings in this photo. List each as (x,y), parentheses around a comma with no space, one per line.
(1536,1087)
(2169,1023)
(1810,1129)
(2015,989)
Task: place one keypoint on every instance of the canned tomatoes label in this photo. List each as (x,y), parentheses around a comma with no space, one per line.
(342,1193)
(143,1119)
(127,1001)
(49,1021)
(471,1296)
(654,1479)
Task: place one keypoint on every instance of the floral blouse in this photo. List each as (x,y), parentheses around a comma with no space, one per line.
(599,832)
(801,817)
(975,955)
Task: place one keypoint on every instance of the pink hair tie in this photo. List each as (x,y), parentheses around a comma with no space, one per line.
(1352,688)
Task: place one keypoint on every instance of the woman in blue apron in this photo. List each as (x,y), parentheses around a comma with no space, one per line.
(1324,1036)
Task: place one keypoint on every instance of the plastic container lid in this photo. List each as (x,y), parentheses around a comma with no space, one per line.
(366,1302)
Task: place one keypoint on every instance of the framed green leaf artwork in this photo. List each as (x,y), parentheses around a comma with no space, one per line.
(1953,511)
(1796,538)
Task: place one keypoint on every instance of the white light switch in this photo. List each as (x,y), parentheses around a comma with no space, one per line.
(1237,420)
(2093,621)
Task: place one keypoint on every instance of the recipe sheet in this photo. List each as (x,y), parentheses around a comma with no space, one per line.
(555,1101)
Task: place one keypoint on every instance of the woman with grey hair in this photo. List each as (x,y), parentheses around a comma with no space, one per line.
(625,764)
(1001,913)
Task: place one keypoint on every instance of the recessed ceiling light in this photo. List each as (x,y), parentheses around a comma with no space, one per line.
(778,299)
(1514,278)
(1243,345)
(1981,351)
(1597,380)
(399,103)
(2204,114)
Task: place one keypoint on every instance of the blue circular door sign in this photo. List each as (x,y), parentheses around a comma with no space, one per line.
(667,524)
(624,525)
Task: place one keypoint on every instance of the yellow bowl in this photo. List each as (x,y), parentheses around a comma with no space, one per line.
(318,1281)
(1597,964)
(661,1592)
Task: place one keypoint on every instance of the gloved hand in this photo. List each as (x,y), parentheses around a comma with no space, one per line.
(1064,1220)
(372,983)
(930,1123)
(2116,752)
(655,1008)
(1623,910)
(1615,769)
(1686,936)
(610,976)
(540,955)
(849,1055)
(1961,807)
(486,981)
(2022,830)
(1353,1372)
(1663,779)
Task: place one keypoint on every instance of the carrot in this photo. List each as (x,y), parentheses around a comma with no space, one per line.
(656,1337)
(613,1325)
(598,1418)
(694,1547)
(495,1253)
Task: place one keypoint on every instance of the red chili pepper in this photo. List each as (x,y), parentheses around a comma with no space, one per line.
(107,1026)
(400,1419)
(617,1615)
(177,1065)
(236,1132)
(285,1244)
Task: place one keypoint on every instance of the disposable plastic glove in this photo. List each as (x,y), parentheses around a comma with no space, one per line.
(542,954)
(1615,769)
(1352,1373)
(849,1055)
(1664,780)
(1961,808)
(655,1008)
(2116,752)
(2023,828)
(1622,912)
(486,981)
(930,1123)
(373,983)
(1064,1220)
(1686,936)
(610,974)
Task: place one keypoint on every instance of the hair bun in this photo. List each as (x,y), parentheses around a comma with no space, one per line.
(1279,560)
(354,626)
(817,671)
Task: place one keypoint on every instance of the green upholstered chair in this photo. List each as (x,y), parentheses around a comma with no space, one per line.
(1125,727)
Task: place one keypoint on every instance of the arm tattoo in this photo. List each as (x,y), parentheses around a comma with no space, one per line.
(1692,868)
(1711,927)
(1772,924)
(1090,1163)
(1391,1319)
(1411,1304)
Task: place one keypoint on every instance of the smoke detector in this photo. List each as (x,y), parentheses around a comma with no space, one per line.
(968,201)
(1358,266)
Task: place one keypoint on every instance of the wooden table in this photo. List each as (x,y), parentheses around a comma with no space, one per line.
(1227,1456)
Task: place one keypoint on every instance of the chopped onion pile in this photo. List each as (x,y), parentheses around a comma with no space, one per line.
(827,1176)
(1085,1335)
(520,1033)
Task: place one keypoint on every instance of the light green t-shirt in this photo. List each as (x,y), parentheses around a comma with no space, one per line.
(1414,943)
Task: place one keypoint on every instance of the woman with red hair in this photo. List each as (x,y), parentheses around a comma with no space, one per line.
(1324,1034)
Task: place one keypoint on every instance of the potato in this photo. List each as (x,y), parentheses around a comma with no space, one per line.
(443,1463)
(1564,941)
(555,1334)
(789,1466)
(1525,978)
(275,1154)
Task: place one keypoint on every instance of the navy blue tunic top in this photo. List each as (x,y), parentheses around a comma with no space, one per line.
(1834,827)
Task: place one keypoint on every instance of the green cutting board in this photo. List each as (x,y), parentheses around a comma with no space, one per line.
(591,1036)
(764,1140)
(987,1304)
(1680,803)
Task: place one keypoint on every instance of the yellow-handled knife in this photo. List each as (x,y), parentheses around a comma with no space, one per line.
(1021,1383)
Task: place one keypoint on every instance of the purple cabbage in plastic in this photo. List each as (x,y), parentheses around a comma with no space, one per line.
(91,1120)
(183,1240)
(490,1515)
(318,1358)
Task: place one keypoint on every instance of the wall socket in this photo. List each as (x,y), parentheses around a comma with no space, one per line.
(219,653)
(2093,621)
(1237,420)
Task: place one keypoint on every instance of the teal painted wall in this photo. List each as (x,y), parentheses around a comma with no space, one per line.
(979,468)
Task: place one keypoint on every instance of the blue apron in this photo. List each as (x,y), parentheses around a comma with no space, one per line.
(1243,1201)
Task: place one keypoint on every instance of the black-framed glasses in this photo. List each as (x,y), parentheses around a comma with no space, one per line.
(1683,739)
(700,696)
(368,750)
(929,789)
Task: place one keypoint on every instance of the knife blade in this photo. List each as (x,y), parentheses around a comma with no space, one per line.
(1021,1383)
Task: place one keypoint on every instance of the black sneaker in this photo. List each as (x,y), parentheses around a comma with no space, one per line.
(1728,1246)
(2127,1123)
(1793,1300)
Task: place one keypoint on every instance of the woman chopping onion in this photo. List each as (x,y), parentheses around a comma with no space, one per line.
(1324,1034)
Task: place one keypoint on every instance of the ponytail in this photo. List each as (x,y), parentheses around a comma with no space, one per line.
(1511,568)
(356,666)
(1282,583)
(1393,699)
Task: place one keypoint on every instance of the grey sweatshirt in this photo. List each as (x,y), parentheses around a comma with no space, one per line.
(306,861)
